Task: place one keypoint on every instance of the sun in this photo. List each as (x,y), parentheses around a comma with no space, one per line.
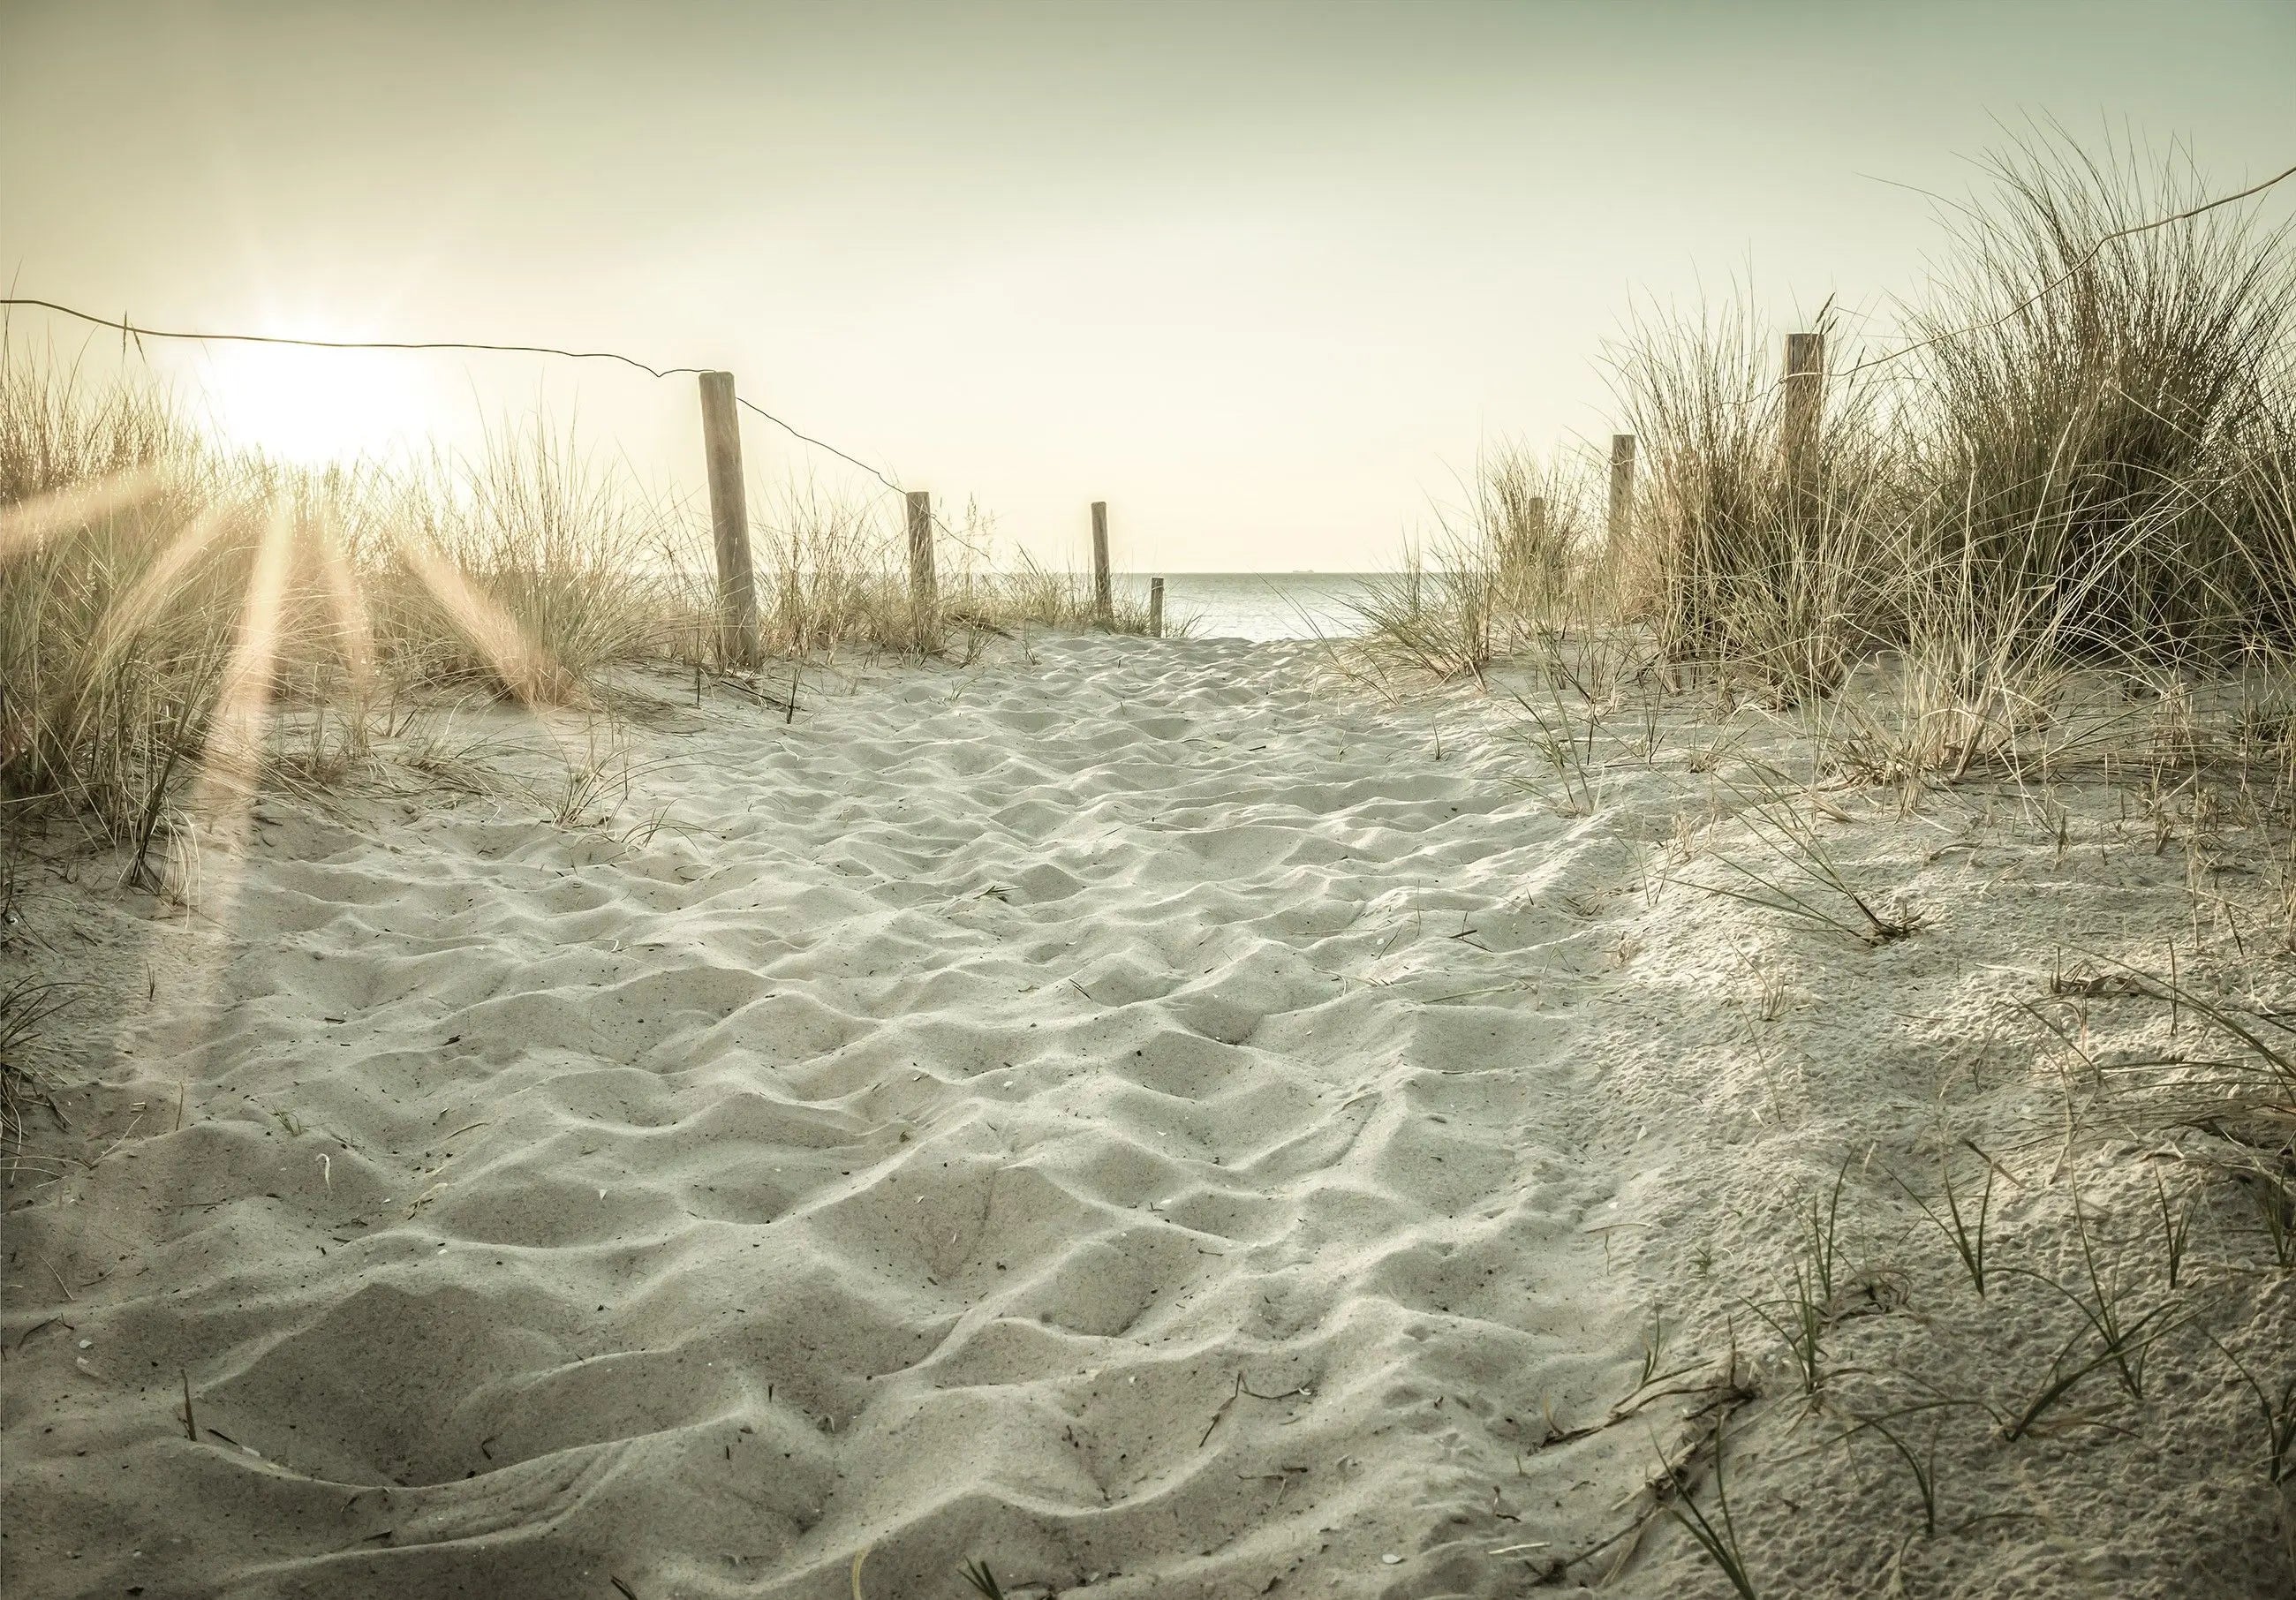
(311,407)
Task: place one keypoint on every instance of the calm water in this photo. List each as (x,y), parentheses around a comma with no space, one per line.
(1259,605)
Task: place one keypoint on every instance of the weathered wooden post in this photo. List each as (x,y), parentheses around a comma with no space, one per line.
(729,521)
(924,586)
(1622,485)
(1155,608)
(1803,404)
(1103,598)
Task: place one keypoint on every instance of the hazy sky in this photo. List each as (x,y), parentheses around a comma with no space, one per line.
(1261,274)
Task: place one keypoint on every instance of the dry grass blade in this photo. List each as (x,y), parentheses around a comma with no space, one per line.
(24,1004)
(2062,1382)
(984,1582)
(2279,1416)
(1968,1242)
(1719,1540)
(1923,1467)
(1826,897)
(2124,1341)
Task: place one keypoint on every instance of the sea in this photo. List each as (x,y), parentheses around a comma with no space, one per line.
(1259,605)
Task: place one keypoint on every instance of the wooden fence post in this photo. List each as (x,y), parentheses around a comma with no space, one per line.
(1804,400)
(1622,485)
(924,586)
(1525,560)
(729,521)
(1103,598)
(1155,608)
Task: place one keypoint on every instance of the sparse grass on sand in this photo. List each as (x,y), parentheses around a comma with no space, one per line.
(2046,558)
(835,578)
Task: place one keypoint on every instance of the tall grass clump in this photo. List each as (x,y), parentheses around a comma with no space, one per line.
(1745,545)
(2098,412)
(2262,499)
(1494,579)
(124,545)
(2081,458)
(525,567)
(1531,514)
(827,577)
(58,432)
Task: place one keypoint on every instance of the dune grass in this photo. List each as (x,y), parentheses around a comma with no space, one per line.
(1496,576)
(155,592)
(2084,465)
(122,543)
(834,577)
(163,600)
(25,1004)
(587,573)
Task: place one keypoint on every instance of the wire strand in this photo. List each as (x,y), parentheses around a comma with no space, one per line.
(2088,257)
(128,330)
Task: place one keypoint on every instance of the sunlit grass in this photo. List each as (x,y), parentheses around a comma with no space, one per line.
(162,600)
(2083,475)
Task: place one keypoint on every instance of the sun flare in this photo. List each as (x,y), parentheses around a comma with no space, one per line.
(312,408)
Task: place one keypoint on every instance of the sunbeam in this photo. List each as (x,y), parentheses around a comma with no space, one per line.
(160,582)
(525,667)
(346,602)
(27,525)
(224,790)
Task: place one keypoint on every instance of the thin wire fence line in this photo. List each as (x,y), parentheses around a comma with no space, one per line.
(128,330)
(2088,259)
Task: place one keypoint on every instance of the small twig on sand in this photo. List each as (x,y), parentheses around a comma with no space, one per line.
(1727,1394)
(1233,1394)
(1222,1412)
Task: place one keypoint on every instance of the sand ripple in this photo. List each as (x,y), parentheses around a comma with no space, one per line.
(911,1146)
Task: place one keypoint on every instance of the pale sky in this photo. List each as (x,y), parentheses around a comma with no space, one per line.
(1263,276)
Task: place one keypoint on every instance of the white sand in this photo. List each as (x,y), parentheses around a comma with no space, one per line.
(913,1144)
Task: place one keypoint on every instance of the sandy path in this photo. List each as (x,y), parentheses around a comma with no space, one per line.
(910,1146)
